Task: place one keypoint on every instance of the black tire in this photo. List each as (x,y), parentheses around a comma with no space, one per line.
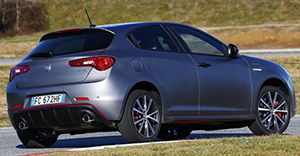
(139,124)
(35,139)
(173,133)
(273,111)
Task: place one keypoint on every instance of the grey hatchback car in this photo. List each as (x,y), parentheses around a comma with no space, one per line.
(146,80)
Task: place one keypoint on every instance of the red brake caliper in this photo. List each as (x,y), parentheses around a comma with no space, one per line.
(135,117)
(278,114)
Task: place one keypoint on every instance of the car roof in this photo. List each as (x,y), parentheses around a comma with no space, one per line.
(119,28)
(126,27)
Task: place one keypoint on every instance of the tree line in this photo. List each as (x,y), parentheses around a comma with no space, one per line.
(22,17)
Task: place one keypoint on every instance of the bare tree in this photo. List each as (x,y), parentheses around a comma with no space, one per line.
(3,13)
(18,13)
(22,16)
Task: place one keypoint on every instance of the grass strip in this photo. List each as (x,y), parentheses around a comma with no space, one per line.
(265,145)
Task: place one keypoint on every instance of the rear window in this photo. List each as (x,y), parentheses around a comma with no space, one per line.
(67,43)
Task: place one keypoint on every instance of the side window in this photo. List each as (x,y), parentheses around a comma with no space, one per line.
(196,41)
(154,38)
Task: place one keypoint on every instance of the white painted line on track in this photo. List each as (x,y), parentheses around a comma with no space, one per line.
(6,128)
(287,50)
(251,26)
(123,145)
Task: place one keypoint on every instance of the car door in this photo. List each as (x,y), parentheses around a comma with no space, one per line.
(225,83)
(173,70)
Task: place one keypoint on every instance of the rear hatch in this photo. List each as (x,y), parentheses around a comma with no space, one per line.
(49,61)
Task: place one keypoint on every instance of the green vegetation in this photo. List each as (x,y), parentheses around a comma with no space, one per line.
(267,145)
(4,76)
(33,37)
(70,13)
(66,14)
(18,46)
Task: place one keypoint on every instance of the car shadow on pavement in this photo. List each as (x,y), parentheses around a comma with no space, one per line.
(117,140)
(218,135)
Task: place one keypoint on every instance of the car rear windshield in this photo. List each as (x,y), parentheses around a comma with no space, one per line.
(73,42)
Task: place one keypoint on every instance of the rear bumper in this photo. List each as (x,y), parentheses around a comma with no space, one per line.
(62,118)
(106,100)
(106,96)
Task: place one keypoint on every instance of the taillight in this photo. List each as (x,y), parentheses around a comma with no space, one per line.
(99,63)
(104,62)
(18,70)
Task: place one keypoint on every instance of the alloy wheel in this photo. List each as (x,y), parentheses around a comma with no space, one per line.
(273,111)
(145,116)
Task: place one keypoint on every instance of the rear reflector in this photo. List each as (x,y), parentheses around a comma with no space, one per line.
(17,106)
(100,63)
(81,99)
(18,70)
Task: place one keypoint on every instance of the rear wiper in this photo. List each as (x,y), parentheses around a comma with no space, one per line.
(42,54)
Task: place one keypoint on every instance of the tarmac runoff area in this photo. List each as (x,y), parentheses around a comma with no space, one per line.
(11,145)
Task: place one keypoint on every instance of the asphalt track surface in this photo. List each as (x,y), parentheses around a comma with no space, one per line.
(10,144)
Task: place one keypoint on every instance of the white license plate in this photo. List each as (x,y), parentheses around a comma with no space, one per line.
(47,99)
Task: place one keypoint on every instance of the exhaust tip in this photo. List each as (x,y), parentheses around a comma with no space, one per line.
(22,125)
(86,118)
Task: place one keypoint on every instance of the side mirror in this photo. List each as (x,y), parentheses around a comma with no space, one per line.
(233,50)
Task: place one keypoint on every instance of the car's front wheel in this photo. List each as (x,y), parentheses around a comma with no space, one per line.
(37,139)
(141,119)
(273,113)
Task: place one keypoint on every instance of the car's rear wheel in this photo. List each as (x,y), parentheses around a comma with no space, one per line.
(37,139)
(141,120)
(273,113)
(173,133)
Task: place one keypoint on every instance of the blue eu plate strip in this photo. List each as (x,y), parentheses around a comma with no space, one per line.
(32,101)
(63,98)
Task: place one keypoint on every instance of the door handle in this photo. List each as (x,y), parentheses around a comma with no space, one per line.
(204,64)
